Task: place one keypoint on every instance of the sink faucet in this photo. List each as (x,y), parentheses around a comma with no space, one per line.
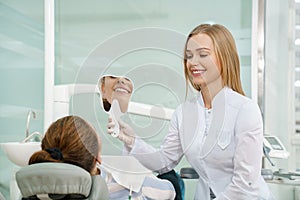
(31,112)
(35,136)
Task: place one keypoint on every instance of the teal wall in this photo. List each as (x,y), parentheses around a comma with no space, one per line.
(21,75)
(82,30)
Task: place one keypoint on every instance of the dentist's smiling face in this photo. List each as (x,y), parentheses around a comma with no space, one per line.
(119,88)
(202,65)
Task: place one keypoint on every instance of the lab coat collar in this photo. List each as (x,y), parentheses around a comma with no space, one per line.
(216,99)
(217,123)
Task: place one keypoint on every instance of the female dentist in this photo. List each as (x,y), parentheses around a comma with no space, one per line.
(220,132)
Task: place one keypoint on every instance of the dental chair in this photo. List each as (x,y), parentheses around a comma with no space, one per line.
(54,181)
(176,181)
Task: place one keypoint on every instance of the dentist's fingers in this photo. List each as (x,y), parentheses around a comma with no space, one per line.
(125,134)
(110,131)
(110,125)
(110,118)
(110,122)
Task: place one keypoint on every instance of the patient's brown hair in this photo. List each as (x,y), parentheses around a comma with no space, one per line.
(71,140)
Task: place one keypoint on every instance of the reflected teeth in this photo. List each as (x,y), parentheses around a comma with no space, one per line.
(121,90)
(200,71)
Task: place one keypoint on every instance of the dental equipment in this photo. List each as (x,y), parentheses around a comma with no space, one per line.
(275,146)
(31,112)
(266,151)
(130,193)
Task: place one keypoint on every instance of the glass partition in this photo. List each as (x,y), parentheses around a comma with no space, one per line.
(21,75)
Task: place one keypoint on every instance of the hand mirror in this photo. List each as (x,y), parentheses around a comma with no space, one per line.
(115,93)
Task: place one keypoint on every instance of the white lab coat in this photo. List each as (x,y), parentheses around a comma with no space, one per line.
(226,153)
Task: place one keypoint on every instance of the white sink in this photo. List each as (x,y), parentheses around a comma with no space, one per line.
(19,152)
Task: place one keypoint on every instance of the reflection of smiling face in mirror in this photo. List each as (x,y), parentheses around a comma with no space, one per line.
(113,87)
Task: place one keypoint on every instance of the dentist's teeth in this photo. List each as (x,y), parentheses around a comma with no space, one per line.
(121,90)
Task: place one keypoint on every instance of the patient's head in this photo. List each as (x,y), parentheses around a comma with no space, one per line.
(115,87)
(71,140)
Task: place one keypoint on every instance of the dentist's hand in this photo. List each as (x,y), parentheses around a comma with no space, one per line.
(126,133)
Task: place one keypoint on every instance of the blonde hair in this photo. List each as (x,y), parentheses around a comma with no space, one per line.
(226,54)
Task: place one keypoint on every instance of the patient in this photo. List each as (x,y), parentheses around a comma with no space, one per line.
(73,140)
(70,140)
